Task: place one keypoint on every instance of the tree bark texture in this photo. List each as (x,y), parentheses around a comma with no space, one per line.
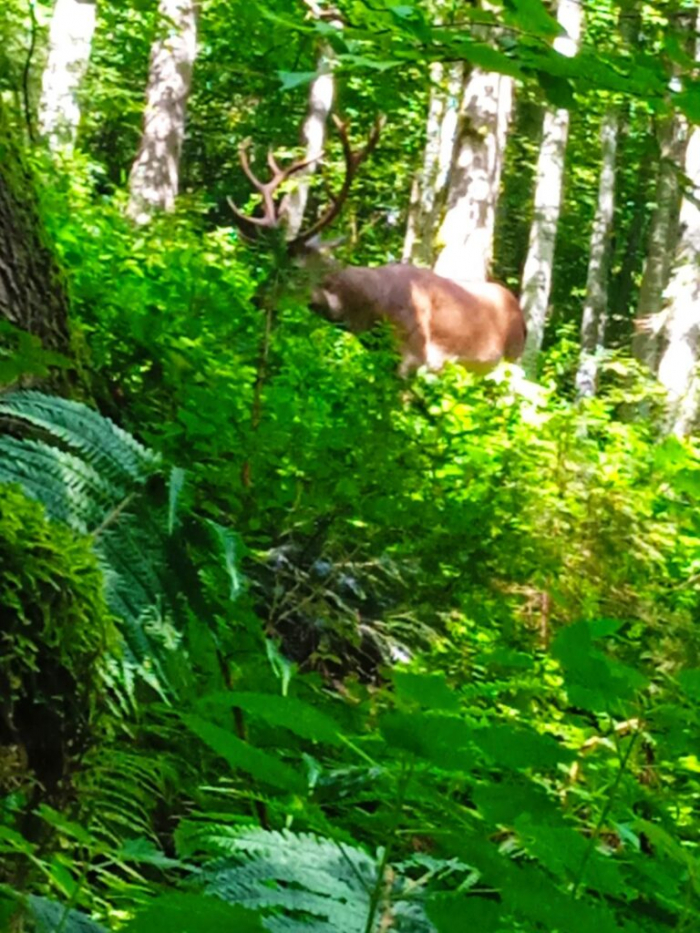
(662,238)
(429,186)
(537,273)
(32,295)
(314,130)
(70,40)
(313,136)
(154,179)
(679,361)
(595,306)
(467,230)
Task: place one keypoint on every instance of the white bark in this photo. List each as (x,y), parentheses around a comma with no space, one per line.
(467,230)
(153,183)
(313,133)
(663,234)
(314,138)
(595,307)
(70,41)
(429,186)
(537,272)
(678,364)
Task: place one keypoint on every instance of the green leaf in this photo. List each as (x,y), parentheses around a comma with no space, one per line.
(194,913)
(442,741)
(288,712)
(689,680)
(452,912)
(240,754)
(65,826)
(558,91)
(230,546)
(175,486)
(592,680)
(292,79)
(427,690)
(503,803)
(144,851)
(532,16)
(514,747)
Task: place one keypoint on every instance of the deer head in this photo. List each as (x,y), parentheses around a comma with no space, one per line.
(434,318)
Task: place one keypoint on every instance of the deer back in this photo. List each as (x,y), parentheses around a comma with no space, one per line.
(434,318)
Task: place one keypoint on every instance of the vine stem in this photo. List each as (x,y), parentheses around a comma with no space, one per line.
(604,815)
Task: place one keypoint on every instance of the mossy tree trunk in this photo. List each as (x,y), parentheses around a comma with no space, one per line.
(32,295)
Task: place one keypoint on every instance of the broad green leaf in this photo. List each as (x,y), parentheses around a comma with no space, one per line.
(193,913)
(292,714)
(442,741)
(592,680)
(689,680)
(144,851)
(506,801)
(532,16)
(240,754)
(428,690)
(292,79)
(514,747)
(453,912)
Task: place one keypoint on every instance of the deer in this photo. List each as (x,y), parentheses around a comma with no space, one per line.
(434,319)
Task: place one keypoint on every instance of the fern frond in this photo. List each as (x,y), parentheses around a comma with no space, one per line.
(113,451)
(71,490)
(50,916)
(290,876)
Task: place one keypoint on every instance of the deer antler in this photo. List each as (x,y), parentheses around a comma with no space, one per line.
(353,160)
(271,218)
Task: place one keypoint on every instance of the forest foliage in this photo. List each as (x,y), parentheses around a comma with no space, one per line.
(289,642)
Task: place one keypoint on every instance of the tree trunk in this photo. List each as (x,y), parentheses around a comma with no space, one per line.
(314,138)
(468,226)
(595,307)
(32,296)
(678,364)
(663,235)
(537,272)
(430,184)
(153,183)
(70,40)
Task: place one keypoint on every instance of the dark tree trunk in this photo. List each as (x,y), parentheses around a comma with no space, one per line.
(32,295)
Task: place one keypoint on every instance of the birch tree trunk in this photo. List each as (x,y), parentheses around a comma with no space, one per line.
(467,230)
(313,136)
(153,183)
(662,238)
(537,272)
(678,364)
(70,41)
(429,186)
(595,307)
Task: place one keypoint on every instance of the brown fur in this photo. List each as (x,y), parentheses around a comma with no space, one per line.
(434,318)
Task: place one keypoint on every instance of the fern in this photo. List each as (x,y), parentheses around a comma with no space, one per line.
(111,450)
(50,917)
(301,882)
(92,475)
